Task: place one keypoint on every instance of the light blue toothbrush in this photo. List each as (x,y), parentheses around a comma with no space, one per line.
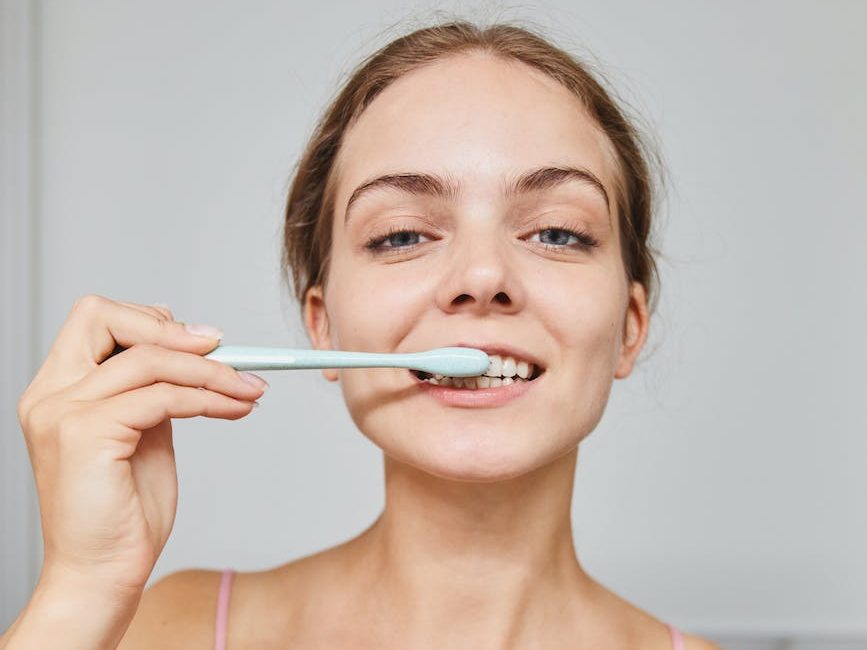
(453,362)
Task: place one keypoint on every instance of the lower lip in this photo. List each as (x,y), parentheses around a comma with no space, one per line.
(475,397)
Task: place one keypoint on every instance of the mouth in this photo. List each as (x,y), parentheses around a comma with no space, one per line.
(504,370)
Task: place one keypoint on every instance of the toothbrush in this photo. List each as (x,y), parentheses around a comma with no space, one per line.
(453,362)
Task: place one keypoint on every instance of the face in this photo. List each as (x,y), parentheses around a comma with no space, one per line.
(412,269)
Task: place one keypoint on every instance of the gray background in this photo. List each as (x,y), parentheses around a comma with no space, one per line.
(147,150)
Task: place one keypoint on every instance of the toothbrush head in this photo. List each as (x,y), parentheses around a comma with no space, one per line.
(454,362)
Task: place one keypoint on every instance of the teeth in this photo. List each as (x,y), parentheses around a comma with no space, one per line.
(508,367)
(474,382)
(496,366)
(502,371)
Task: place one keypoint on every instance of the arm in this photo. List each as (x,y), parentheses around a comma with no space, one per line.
(691,642)
(70,612)
(98,428)
(178,611)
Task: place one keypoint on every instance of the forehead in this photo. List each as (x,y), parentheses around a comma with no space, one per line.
(475,117)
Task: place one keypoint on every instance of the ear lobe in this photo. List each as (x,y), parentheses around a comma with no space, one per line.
(635,328)
(317,325)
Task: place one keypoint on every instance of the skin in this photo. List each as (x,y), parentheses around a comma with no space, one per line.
(474,547)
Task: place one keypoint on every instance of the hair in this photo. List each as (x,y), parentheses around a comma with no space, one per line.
(310,204)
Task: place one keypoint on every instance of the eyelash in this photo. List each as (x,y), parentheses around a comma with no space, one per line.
(586,241)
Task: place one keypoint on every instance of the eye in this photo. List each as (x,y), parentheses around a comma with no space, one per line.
(401,239)
(560,237)
(397,238)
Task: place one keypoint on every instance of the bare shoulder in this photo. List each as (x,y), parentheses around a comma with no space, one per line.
(691,642)
(643,629)
(177,611)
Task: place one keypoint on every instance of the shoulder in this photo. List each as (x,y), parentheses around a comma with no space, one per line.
(691,642)
(177,611)
(642,629)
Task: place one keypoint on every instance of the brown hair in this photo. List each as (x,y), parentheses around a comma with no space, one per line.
(310,204)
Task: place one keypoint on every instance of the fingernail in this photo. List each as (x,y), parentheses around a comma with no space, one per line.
(161,304)
(199,329)
(255,380)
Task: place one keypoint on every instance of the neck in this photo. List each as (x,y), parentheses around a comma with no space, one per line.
(459,564)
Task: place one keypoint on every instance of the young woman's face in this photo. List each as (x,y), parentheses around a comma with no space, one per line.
(482,266)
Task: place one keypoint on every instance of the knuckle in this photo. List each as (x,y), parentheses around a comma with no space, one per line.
(164,315)
(164,390)
(38,419)
(165,396)
(220,369)
(167,325)
(205,400)
(89,302)
(30,419)
(142,354)
(207,368)
(24,408)
(171,396)
(142,349)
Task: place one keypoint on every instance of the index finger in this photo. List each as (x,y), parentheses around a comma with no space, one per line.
(97,325)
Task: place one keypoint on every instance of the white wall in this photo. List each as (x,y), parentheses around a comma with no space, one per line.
(18,513)
(723,490)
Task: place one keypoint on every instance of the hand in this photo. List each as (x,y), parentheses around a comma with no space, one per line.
(99,434)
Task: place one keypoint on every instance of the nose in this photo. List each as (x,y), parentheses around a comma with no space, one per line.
(480,276)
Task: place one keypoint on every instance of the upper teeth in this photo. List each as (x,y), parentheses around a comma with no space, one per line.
(506,367)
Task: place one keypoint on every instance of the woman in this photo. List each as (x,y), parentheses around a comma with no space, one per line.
(467,187)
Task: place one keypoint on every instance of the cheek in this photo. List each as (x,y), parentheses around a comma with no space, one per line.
(355,311)
(373,305)
(585,313)
(371,313)
(585,321)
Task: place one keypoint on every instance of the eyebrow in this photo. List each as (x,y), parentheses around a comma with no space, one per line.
(425,184)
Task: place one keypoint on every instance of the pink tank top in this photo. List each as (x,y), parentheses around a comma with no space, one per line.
(223,615)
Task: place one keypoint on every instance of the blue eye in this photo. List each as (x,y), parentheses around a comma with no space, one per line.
(404,239)
(583,240)
(398,239)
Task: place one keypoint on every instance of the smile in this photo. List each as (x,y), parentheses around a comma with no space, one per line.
(506,379)
(503,371)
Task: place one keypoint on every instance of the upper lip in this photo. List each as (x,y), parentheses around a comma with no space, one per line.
(503,350)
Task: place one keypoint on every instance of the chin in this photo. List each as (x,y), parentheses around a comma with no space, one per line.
(475,456)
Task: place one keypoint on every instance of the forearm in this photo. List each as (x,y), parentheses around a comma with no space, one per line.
(60,616)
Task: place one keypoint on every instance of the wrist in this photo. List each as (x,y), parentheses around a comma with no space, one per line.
(89,586)
(72,612)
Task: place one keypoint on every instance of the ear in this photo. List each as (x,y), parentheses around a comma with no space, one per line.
(317,325)
(635,326)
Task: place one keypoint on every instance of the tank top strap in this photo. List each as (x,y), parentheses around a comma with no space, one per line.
(223,609)
(676,638)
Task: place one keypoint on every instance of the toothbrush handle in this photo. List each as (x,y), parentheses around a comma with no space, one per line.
(244,357)
(253,358)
